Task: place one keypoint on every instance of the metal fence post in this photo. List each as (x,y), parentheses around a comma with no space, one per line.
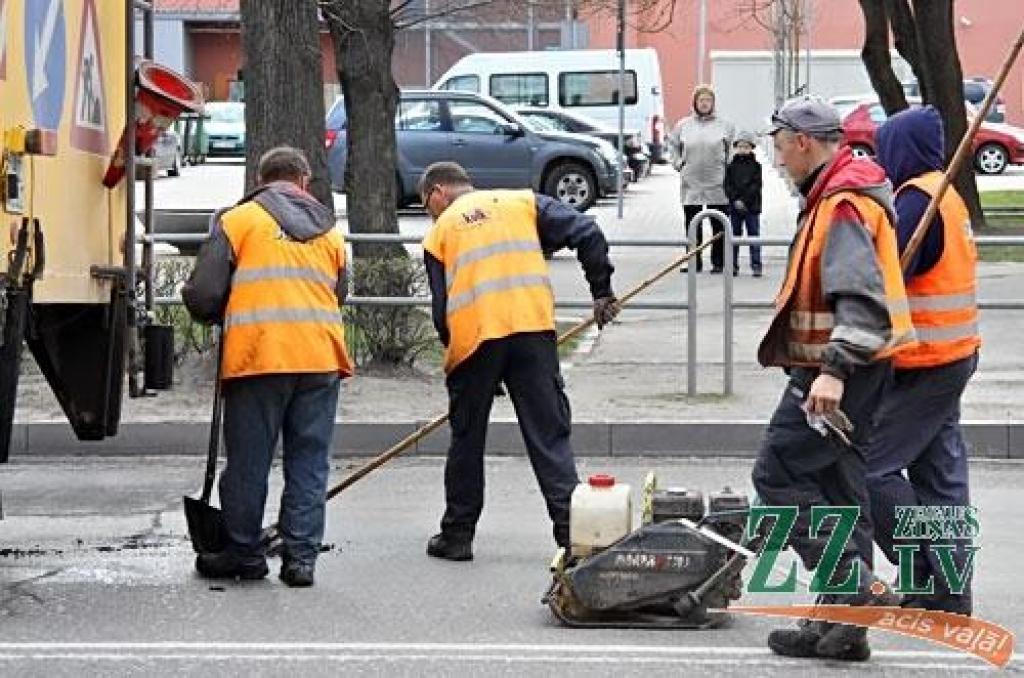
(691,307)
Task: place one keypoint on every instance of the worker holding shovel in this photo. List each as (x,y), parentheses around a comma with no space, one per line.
(494,310)
(273,271)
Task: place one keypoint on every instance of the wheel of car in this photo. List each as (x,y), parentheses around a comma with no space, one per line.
(175,169)
(991,159)
(573,184)
(862,151)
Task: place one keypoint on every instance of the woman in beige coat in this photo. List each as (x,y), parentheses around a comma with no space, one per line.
(700,145)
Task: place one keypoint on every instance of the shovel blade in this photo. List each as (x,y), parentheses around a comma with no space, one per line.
(205,526)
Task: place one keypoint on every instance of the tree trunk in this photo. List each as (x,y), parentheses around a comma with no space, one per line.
(364,38)
(284,91)
(945,90)
(904,32)
(876,58)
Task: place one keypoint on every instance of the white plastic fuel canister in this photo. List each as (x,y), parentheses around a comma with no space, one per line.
(600,514)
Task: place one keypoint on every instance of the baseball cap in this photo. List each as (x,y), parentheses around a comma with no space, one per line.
(807,114)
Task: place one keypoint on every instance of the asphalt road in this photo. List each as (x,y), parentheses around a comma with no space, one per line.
(96,579)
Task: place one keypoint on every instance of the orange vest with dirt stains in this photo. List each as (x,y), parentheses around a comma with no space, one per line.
(283,315)
(806,318)
(495,272)
(943,303)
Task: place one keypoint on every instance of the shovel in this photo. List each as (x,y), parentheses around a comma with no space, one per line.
(205,522)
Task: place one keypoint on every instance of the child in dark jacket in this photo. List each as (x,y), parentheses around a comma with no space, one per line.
(743,188)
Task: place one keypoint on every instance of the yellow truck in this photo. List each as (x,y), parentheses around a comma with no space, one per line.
(68,279)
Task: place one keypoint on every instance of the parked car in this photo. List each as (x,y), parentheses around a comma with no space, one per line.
(226,128)
(574,80)
(497,147)
(167,153)
(995,145)
(633,146)
(975,91)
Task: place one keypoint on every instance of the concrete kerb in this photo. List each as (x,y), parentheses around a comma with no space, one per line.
(720,438)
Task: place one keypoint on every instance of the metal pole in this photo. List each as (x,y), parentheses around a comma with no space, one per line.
(691,308)
(727,297)
(148,258)
(702,27)
(807,23)
(427,48)
(529,26)
(622,101)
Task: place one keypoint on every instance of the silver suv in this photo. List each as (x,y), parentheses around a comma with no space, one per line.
(497,147)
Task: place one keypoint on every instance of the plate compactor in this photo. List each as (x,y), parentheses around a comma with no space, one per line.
(665,574)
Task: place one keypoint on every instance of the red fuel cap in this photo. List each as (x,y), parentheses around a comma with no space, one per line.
(601,480)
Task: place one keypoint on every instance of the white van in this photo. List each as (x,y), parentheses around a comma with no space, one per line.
(582,81)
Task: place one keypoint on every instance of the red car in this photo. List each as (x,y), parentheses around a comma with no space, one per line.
(995,146)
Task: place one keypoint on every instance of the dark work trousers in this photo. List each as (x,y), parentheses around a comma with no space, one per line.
(528,365)
(917,433)
(796,466)
(718,248)
(300,408)
(752,223)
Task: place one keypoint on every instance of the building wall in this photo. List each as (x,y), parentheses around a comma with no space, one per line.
(985,31)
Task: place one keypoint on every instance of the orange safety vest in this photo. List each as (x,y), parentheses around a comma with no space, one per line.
(495,272)
(805,318)
(943,303)
(283,315)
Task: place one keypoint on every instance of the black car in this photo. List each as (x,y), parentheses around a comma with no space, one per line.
(633,145)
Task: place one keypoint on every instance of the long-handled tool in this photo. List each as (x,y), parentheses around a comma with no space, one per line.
(270,538)
(958,158)
(205,522)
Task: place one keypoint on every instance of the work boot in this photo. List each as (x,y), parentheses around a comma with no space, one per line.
(296,574)
(446,546)
(799,642)
(849,642)
(227,565)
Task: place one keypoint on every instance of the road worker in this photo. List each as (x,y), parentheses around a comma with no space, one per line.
(493,308)
(840,315)
(273,271)
(917,428)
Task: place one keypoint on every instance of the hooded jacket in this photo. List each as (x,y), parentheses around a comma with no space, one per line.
(300,217)
(912,143)
(851,276)
(700,146)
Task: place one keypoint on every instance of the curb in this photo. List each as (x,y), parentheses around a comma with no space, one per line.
(718,438)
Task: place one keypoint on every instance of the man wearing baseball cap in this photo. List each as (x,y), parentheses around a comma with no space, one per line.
(840,316)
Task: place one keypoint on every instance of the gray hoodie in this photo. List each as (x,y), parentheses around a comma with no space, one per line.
(299,215)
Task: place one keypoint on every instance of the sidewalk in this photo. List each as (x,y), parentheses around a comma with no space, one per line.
(635,370)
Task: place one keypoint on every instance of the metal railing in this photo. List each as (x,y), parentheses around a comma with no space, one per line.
(729,304)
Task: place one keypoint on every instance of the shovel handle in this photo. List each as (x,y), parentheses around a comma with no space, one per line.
(407,442)
(218,414)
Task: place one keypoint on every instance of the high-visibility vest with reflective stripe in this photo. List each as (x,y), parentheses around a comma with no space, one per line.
(283,315)
(495,272)
(943,304)
(801,309)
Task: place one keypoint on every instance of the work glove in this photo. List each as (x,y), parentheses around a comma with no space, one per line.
(605,310)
